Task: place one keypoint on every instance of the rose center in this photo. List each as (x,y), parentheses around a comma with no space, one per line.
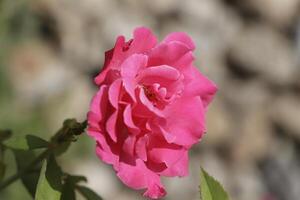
(150,94)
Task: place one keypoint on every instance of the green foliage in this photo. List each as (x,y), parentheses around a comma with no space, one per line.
(2,170)
(50,184)
(27,142)
(46,182)
(67,134)
(69,187)
(88,193)
(31,178)
(211,189)
(4,135)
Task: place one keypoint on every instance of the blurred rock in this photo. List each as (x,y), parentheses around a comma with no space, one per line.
(213,33)
(280,171)
(244,96)
(159,7)
(278,12)
(79,26)
(261,50)
(72,103)
(37,74)
(285,112)
(248,185)
(248,48)
(220,124)
(253,141)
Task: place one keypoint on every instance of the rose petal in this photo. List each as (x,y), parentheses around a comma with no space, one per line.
(114,93)
(197,84)
(111,126)
(143,41)
(159,74)
(179,168)
(185,121)
(167,53)
(148,104)
(97,107)
(138,176)
(107,156)
(141,149)
(129,145)
(111,57)
(129,70)
(127,115)
(170,154)
(180,37)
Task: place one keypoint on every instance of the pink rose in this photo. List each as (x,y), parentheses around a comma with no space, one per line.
(150,109)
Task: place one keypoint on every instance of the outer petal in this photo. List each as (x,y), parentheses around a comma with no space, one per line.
(179,168)
(173,156)
(185,121)
(143,41)
(168,54)
(133,65)
(138,176)
(98,108)
(180,37)
(166,154)
(112,59)
(105,150)
(198,84)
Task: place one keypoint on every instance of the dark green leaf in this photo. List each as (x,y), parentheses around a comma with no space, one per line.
(88,193)
(76,179)
(27,142)
(49,185)
(210,189)
(68,191)
(70,182)
(5,134)
(2,170)
(30,179)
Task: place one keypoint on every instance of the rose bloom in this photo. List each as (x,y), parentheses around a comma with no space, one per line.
(149,109)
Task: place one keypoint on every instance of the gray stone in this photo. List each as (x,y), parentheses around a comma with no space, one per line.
(280,13)
(286,111)
(263,51)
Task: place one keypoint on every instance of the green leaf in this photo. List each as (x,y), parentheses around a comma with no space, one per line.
(211,189)
(49,185)
(30,179)
(74,179)
(88,193)
(5,134)
(68,192)
(2,170)
(27,142)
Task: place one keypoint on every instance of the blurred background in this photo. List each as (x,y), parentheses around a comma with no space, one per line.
(51,49)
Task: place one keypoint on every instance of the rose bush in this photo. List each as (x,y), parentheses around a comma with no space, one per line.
(150,109)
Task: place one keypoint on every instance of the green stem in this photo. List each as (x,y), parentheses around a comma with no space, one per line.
(18,175)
